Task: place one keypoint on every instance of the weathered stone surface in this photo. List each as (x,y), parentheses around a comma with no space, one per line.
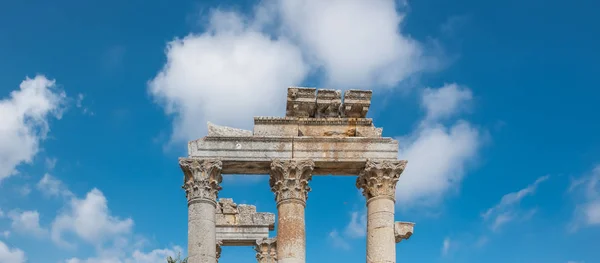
(276,126)
(381,242)
(315,127)
(356,103)
(301,102)
(380,177)
(201,231)
(241,225)
(202,178)
(403,230)
(224,131)
(328,103)
(253,155)
(266,250)
(289,179)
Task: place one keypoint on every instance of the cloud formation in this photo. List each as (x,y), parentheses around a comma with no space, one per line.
(507,209)
(587,191)
(437,154)
(24,117)
(241,65)
(27,222)
(12,255)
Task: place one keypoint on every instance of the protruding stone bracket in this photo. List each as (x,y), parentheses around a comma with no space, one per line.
(218,255)
(403,230)
(289,179)
(356,103)
(380,177)
(328,103)
(301,102)
(241,225)
(266,250)
(202,178)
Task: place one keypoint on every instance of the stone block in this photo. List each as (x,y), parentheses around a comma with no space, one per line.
(356,103)
(301,102)
(403,230)
(328,103)
(224,131)
(275,126)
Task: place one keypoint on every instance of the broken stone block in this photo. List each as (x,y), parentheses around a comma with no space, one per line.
(356,103)
(328,103)
(301,102)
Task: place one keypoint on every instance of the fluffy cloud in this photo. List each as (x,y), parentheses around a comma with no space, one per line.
(587,191)
(241,66)
(27,222)
(360,44)
(437,154)
(24,119)
(12,255)
(507,209)
(229,74)
(446,101)
(90,220)
(51,186)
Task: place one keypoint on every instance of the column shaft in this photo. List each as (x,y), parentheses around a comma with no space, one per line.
(381,243)
(291,233)
(202,235)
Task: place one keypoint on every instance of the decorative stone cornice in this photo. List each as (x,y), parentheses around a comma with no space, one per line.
(379,178)
(218,255)
(266,250)
(403,230)
(202,178)
(289,179)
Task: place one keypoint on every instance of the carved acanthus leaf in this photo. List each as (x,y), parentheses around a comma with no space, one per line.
(266,250)
(202,178)
(380,177)
(289,179)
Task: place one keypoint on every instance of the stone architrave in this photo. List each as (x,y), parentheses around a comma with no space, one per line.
(202,179)
(266,250)
(240,224)
(289,181)
(378,184)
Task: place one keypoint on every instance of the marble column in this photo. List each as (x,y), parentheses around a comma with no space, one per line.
(266,250)
(202,179)
(289,181)
(378,183)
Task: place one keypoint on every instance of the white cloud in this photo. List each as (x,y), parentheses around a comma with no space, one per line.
(357,43)
(338,241)
(50,163)
(8,255)
(6,233)
(437,154)
(446,246)
(358,225)
(90,220)
(507,209)
(24,119)
(446,101)
(229,74)
(51,186)
(587,190)
(27,222)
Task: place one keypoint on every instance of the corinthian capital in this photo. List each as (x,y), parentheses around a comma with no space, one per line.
(289,179)
(202,178)
(266,250)
(380,177)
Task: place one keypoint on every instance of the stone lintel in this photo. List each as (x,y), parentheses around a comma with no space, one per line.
(326,127)
(403,230)
(329,150)
(240,224)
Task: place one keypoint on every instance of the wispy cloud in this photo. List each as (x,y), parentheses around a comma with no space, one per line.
(587,192)
(508,209)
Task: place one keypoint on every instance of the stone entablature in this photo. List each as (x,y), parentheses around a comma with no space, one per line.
(403,230)
(240,224)
(322,103)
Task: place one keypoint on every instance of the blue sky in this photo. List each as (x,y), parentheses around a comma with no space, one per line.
(494,105)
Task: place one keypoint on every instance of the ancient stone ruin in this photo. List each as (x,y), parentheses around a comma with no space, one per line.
(321,134)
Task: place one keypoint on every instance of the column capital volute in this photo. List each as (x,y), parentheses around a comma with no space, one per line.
(202,179)
(379,178)
(289,179)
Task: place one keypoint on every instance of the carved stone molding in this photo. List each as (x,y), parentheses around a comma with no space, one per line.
(218,255)
(379,178)
(403,230)
(266,250)
(202,178)
(289,179)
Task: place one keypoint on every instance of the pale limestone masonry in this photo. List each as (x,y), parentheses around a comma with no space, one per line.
(323,133)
